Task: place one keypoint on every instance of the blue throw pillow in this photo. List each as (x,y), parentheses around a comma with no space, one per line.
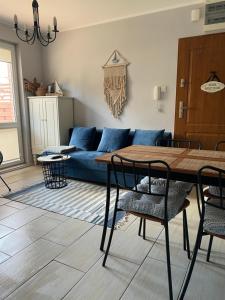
(83,138)
(113,139)
(147,137)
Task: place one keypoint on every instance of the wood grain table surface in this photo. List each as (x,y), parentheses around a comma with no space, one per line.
(180,160)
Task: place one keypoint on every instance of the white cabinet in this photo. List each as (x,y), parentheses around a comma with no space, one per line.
(50,120)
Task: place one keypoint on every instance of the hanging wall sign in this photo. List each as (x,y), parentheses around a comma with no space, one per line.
(213,84)
(115,83)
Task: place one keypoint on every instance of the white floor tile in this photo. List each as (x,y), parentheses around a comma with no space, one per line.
(52,283)
(17,269)
(67,232)
(5,230)
(22,217)
(6,211)
(85,252)
(151,282)
(26,235)
(104,283)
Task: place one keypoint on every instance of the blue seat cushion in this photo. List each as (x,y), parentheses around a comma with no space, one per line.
(147,137)
(83,138)
(86,160)
(113,139)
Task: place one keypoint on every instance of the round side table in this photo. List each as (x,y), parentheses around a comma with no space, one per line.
(54,168)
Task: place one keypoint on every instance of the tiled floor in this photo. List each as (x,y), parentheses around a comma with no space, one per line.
(44,255)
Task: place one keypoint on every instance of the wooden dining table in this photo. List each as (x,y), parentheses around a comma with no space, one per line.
(184,164)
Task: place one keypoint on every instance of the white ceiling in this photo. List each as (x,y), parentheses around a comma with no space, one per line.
(72,14)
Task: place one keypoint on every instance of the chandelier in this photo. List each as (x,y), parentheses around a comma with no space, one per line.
(29,36)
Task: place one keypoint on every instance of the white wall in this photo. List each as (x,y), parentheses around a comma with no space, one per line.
(150,45)
(29,65)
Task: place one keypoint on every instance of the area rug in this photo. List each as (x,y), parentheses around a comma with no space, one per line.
(79,200)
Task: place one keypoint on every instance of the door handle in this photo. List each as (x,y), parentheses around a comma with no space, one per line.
(182,109)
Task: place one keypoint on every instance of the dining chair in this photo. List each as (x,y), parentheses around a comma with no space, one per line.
(212,220)
(180,185)
(147,201)
(214,191)
(1,160)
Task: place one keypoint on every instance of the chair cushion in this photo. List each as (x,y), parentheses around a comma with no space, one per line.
(178,185)
(214,221)
(83,138)
(113,139)
(147,137)
(215,191)
(153,205)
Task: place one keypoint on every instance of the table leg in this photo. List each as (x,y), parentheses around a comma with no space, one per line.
(106,208)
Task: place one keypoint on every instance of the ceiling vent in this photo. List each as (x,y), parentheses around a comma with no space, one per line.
(214,15)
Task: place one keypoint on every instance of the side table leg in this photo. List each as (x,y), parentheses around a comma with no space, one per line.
(106,208)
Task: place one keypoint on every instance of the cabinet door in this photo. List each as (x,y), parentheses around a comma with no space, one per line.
(36,125)
(50,107)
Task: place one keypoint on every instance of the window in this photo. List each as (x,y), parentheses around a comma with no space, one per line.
(10,128)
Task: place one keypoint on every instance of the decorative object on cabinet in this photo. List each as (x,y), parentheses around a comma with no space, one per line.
(41,91)
(115,82)
(29,36)
(50,120)
(54,89)
(31,86)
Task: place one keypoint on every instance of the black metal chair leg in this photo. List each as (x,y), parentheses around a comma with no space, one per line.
(140,226)
(106,209)
(168,261)
(198,199)
(186,234)
(144,228)
(191,266)
(110,237)
(5,183)
(210,247)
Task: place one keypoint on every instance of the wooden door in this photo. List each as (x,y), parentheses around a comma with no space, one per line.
(200,115)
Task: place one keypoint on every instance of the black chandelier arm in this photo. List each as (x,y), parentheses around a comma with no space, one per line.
(41,38)
(26,38)
(53,39)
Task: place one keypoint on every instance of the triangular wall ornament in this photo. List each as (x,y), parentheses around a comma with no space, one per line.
(115,82)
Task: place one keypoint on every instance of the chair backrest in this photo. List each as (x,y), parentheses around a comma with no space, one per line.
(219,177)
(1,158)
(179,143)
(125,168)
(220,146)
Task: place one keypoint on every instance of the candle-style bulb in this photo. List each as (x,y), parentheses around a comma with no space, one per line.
(35,16)
(55,22)
(15,20)
(49,28)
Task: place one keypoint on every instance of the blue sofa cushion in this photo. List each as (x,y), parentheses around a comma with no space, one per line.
(147,137)
(113,139)
(86,160)
(83,138)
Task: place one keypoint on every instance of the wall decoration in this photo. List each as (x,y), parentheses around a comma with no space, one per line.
(213,84)
(30,86)
(115,83)
(54,89)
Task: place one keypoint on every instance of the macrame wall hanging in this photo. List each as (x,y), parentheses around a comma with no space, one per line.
(115,83)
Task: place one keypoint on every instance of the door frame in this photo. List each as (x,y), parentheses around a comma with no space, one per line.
(17,124)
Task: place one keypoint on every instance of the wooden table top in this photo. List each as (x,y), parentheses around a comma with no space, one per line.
(180,160)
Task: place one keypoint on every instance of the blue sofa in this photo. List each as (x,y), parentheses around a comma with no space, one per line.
(83,166)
